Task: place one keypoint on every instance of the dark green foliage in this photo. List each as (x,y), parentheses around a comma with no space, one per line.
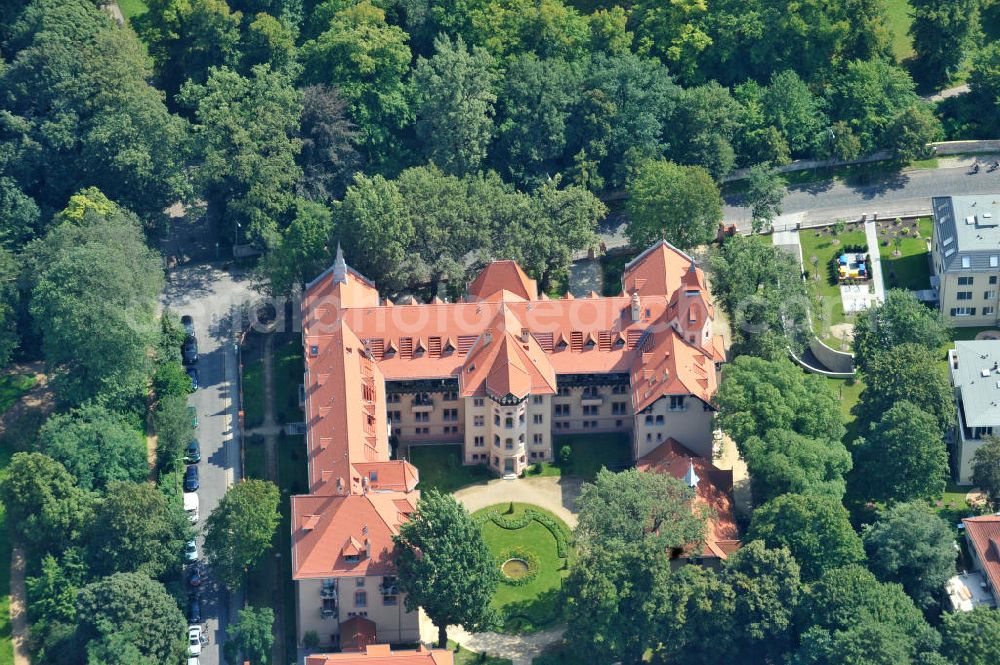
(869,95)
(173,430)
(445,567)
(910,132)
(944,34)
(986,468)
(815,529)
(329,153)
(679,204)
(170,379)
(95,445)
(765,192)
(972,638)
(130,609)
(782,461)
(906,372)
(252,632)
(241,529)
(911,545)
(899,320)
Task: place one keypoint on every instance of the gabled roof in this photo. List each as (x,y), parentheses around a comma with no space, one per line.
(502,276)
(382,654)
(984,533)
(500,364)
(656,271)
(713,488)
(671,366)
(359,525)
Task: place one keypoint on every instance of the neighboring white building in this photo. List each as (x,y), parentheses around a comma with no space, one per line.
(975,374)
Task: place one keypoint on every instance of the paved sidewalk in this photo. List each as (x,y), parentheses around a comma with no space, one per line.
(519,648)
(871,235)
(557,495)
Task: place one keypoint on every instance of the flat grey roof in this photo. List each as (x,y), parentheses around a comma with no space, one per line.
(980,394)
(968,231)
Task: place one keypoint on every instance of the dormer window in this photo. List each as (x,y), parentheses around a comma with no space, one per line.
(313,350)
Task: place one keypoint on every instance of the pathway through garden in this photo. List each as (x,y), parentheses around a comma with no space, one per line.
(521,649)
(18,611)
(555,494)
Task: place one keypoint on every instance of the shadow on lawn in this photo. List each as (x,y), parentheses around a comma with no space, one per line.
(531,615)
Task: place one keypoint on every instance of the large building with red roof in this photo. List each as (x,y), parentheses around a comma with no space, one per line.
(503,371)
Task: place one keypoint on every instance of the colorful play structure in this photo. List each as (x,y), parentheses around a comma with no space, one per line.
(852,266)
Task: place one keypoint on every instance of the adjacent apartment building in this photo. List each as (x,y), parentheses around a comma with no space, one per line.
(502,371)
(965,251)
(974,367)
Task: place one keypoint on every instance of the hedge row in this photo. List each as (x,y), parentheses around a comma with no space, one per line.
(522,554)
(515,523)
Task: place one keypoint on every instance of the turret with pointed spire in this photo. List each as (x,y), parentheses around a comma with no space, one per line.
(339,267)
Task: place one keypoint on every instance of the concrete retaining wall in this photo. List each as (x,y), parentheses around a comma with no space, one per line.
(816,370)
(836,361)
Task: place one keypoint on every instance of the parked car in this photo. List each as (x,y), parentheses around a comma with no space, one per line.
(189,351)
(194,609)
(196,576)
(191,479)
(188,324)
(192,454)
(194,640)
(191,506)
(193,373)
(191,551)
(193,412)
(193,660)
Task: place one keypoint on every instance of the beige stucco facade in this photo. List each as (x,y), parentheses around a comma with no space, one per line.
(322,605)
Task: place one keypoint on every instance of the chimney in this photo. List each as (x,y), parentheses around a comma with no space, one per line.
(368,549)
(636,306)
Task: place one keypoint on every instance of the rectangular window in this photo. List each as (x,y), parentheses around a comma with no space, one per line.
(619,390)
(963,311)
(537,419)
(422,417)
(993,280)
(536,439)
(396,416)
(509,444)
(478,441)
(450,396)
(450,415)
(359,582)
(563,391)
(649,420)
(360,599)
(536,399)
(964,295)
(677,403)
(965,281)
(966,262)
(987,311)
(478,421)
(989,295)
(390,601)
(659,419)
(478,401)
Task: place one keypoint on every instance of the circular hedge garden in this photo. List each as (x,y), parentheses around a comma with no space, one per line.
(532,549)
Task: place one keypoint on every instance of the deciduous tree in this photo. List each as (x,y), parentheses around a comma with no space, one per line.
(901,319)
(986,468)
(911,131)
(906,372)
(911,545)
(174,429)
(329,155)
(680,204)
(304,251)
(241,529)
(782,461)
(971,638)
(444,566)
(765,192)
(815,529)
(252,632)
(944,34)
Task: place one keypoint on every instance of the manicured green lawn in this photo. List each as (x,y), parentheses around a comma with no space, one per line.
(276,562)
(952,506)
(441,468)
(590,453)
(288,371)
(12,386)
(132,8)
(897,12)
(536,604)
(848,392)
(826,307)
(253,393)
(910,270)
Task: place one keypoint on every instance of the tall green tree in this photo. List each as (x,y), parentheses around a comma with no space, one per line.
(303,252)
(757,396)
(986,468)
(907,372)
(247,141)
(97,446)
(702,128)
(136,530)
(51,601)
(45,509)
(815,529)
(454,104)
(944,34)
(868,95)
(631,505)
(444,566)
(911,131)
(673,32)
(911,545)
(760,287)
(134,606)
(375,229)
(699,618)
(241,529)
(93,301)
(680,204)
(984,82)
(791,107)
(268,40)
(765,192)
(329,155)
(174,429)
(903,457)
(364,57)
(20,214)
(10,300)
(971,638)
(252,632)
(901,319)
(782,461)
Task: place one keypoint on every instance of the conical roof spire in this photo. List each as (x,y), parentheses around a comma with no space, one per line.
(339,267)
(691,479)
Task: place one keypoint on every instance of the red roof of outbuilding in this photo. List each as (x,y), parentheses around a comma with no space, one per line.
(382,654)
(984,532)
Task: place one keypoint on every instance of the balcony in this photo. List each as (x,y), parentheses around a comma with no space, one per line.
(422,405)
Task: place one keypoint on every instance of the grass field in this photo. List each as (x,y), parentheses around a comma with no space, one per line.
(132,8)
(897,11)
(288,370)
(590,453)
(466,657)
(441,468)
(827,308)
(536,604)
(909,270)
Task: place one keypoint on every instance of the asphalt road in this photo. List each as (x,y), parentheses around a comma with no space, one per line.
(893,194)
(208,294)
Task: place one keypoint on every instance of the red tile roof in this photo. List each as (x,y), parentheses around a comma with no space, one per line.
(714,489)
(984,532)
(502,276)
(381,654)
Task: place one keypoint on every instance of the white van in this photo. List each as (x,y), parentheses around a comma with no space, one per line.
(191,506)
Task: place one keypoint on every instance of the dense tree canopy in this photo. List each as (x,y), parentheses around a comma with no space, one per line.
(907,372)
(444,566)
(901,319)
(815,529)
(971,638)
(679,204)
(911,545)
(944,33)
(986,468)
(241,529)
(782,461)
(757,396)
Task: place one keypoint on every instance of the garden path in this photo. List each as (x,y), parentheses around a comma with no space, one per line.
(18,611)
(555,494)
(521,649)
